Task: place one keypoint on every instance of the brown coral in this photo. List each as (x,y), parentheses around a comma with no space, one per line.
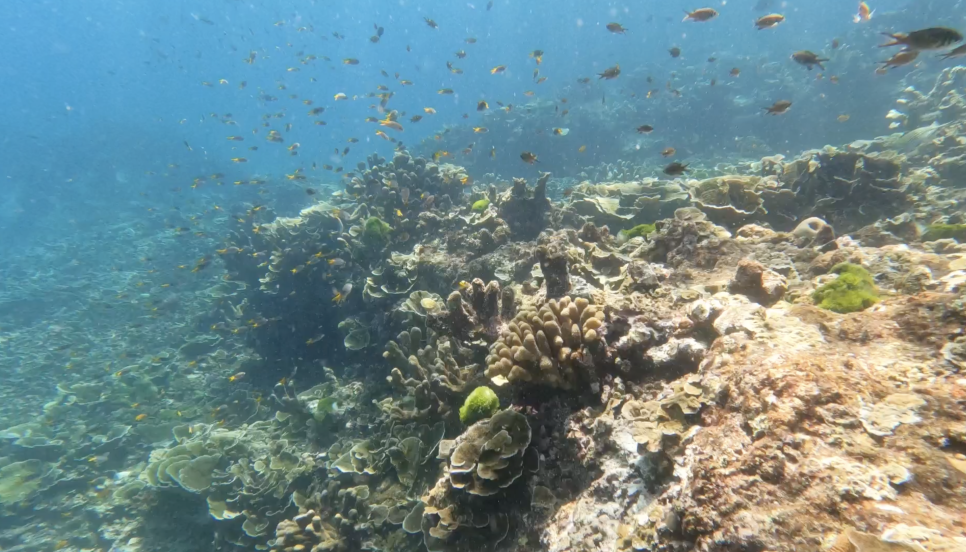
(546,346)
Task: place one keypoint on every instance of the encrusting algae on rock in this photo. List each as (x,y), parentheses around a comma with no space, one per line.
(852,291)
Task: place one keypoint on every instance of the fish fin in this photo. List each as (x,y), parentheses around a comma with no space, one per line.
(896,40)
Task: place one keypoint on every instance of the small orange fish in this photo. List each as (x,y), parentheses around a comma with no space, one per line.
(140,417)
(864,14)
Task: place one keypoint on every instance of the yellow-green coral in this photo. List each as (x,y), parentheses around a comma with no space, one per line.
(481,403)
(853,290)
(481,205)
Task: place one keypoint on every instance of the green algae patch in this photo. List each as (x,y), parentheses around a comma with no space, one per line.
(853,290)
(480,206)
(481,403)
(376,231)
(637,231)
(944,232)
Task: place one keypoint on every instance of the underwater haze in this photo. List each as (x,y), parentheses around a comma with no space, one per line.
(557,276)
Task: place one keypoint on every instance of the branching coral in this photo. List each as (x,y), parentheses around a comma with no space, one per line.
(547,346)
(428,378)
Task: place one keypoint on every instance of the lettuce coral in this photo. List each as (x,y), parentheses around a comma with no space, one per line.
(853,290)
(480,404)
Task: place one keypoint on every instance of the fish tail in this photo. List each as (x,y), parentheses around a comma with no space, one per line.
(896,40)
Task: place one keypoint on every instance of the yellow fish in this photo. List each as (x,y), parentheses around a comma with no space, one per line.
(498,69)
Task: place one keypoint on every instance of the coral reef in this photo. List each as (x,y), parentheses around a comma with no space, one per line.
(582,364)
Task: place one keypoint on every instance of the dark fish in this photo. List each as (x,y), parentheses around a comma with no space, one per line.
(310,191)
(616,28)
(528,157)
(482,105)
(675,169)
(808,59)
(668,152)
(489,5)
(779,107)
(610,73)
(430,22)
(645,129)
(835,43)
(955,53)
(675,52)
(933,38)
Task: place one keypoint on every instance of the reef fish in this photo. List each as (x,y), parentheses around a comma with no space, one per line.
(675,169)
(808,59)
(955,53)
(779,107)
(769,21)
(610,73)
(903,57)
(703,14)
(933,38)
(864,13)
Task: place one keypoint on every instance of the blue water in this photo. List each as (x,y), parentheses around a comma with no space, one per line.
(98,99)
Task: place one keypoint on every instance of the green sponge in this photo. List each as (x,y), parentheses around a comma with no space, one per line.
(853,290)
(481,403)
